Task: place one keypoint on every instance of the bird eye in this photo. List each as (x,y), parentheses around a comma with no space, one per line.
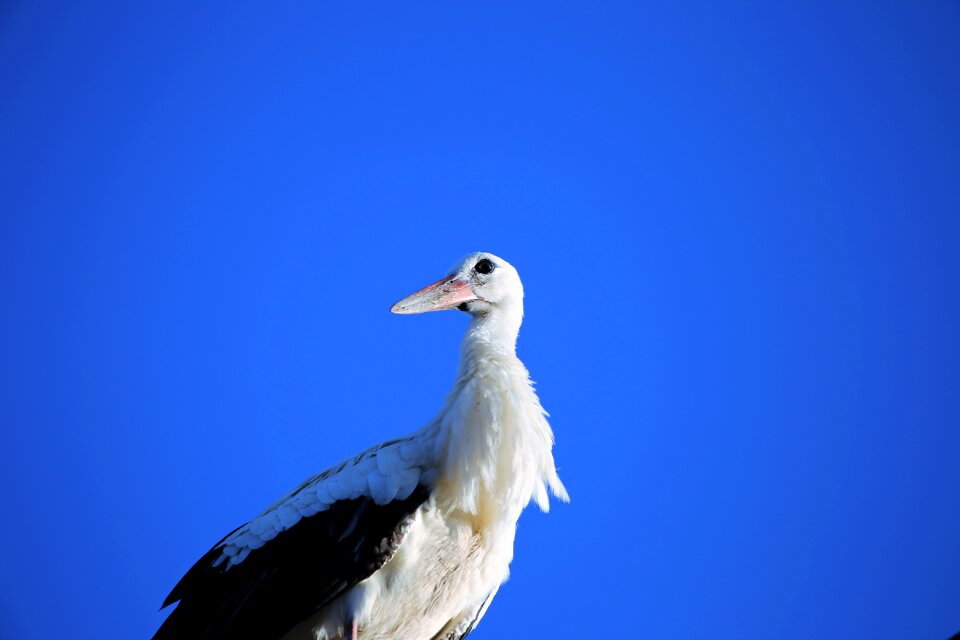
(484,266)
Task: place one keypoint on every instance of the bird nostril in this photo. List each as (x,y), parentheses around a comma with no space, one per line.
(463,306)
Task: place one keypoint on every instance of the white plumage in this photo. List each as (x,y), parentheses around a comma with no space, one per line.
(409,539)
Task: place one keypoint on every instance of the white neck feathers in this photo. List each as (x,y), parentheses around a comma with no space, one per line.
(492,440)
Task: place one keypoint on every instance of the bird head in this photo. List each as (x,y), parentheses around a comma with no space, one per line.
(480,284)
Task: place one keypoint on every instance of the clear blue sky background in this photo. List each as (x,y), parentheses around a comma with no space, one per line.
(738,228)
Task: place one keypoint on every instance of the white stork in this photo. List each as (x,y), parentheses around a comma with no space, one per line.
(412,538)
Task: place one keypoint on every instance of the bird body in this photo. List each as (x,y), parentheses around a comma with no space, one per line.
(411,538)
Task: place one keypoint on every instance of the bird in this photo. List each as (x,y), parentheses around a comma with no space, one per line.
(410,538)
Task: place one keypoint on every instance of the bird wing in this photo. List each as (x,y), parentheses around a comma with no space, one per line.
(331,532)
(460,627)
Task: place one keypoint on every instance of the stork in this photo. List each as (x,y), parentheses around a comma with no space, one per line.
(411,538)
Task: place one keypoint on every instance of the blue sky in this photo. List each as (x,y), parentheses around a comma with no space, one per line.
(737,228)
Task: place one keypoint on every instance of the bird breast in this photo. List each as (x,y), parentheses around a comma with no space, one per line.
(493,444)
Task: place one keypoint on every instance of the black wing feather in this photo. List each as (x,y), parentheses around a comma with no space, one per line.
(292,576)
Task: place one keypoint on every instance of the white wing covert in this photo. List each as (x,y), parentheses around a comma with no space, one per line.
(330,533)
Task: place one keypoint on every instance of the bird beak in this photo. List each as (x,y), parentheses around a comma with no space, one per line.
(443,294)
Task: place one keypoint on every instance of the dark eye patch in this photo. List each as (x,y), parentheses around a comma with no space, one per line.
(484,266)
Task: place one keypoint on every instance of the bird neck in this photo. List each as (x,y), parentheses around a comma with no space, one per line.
(492,441)
(493,333)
